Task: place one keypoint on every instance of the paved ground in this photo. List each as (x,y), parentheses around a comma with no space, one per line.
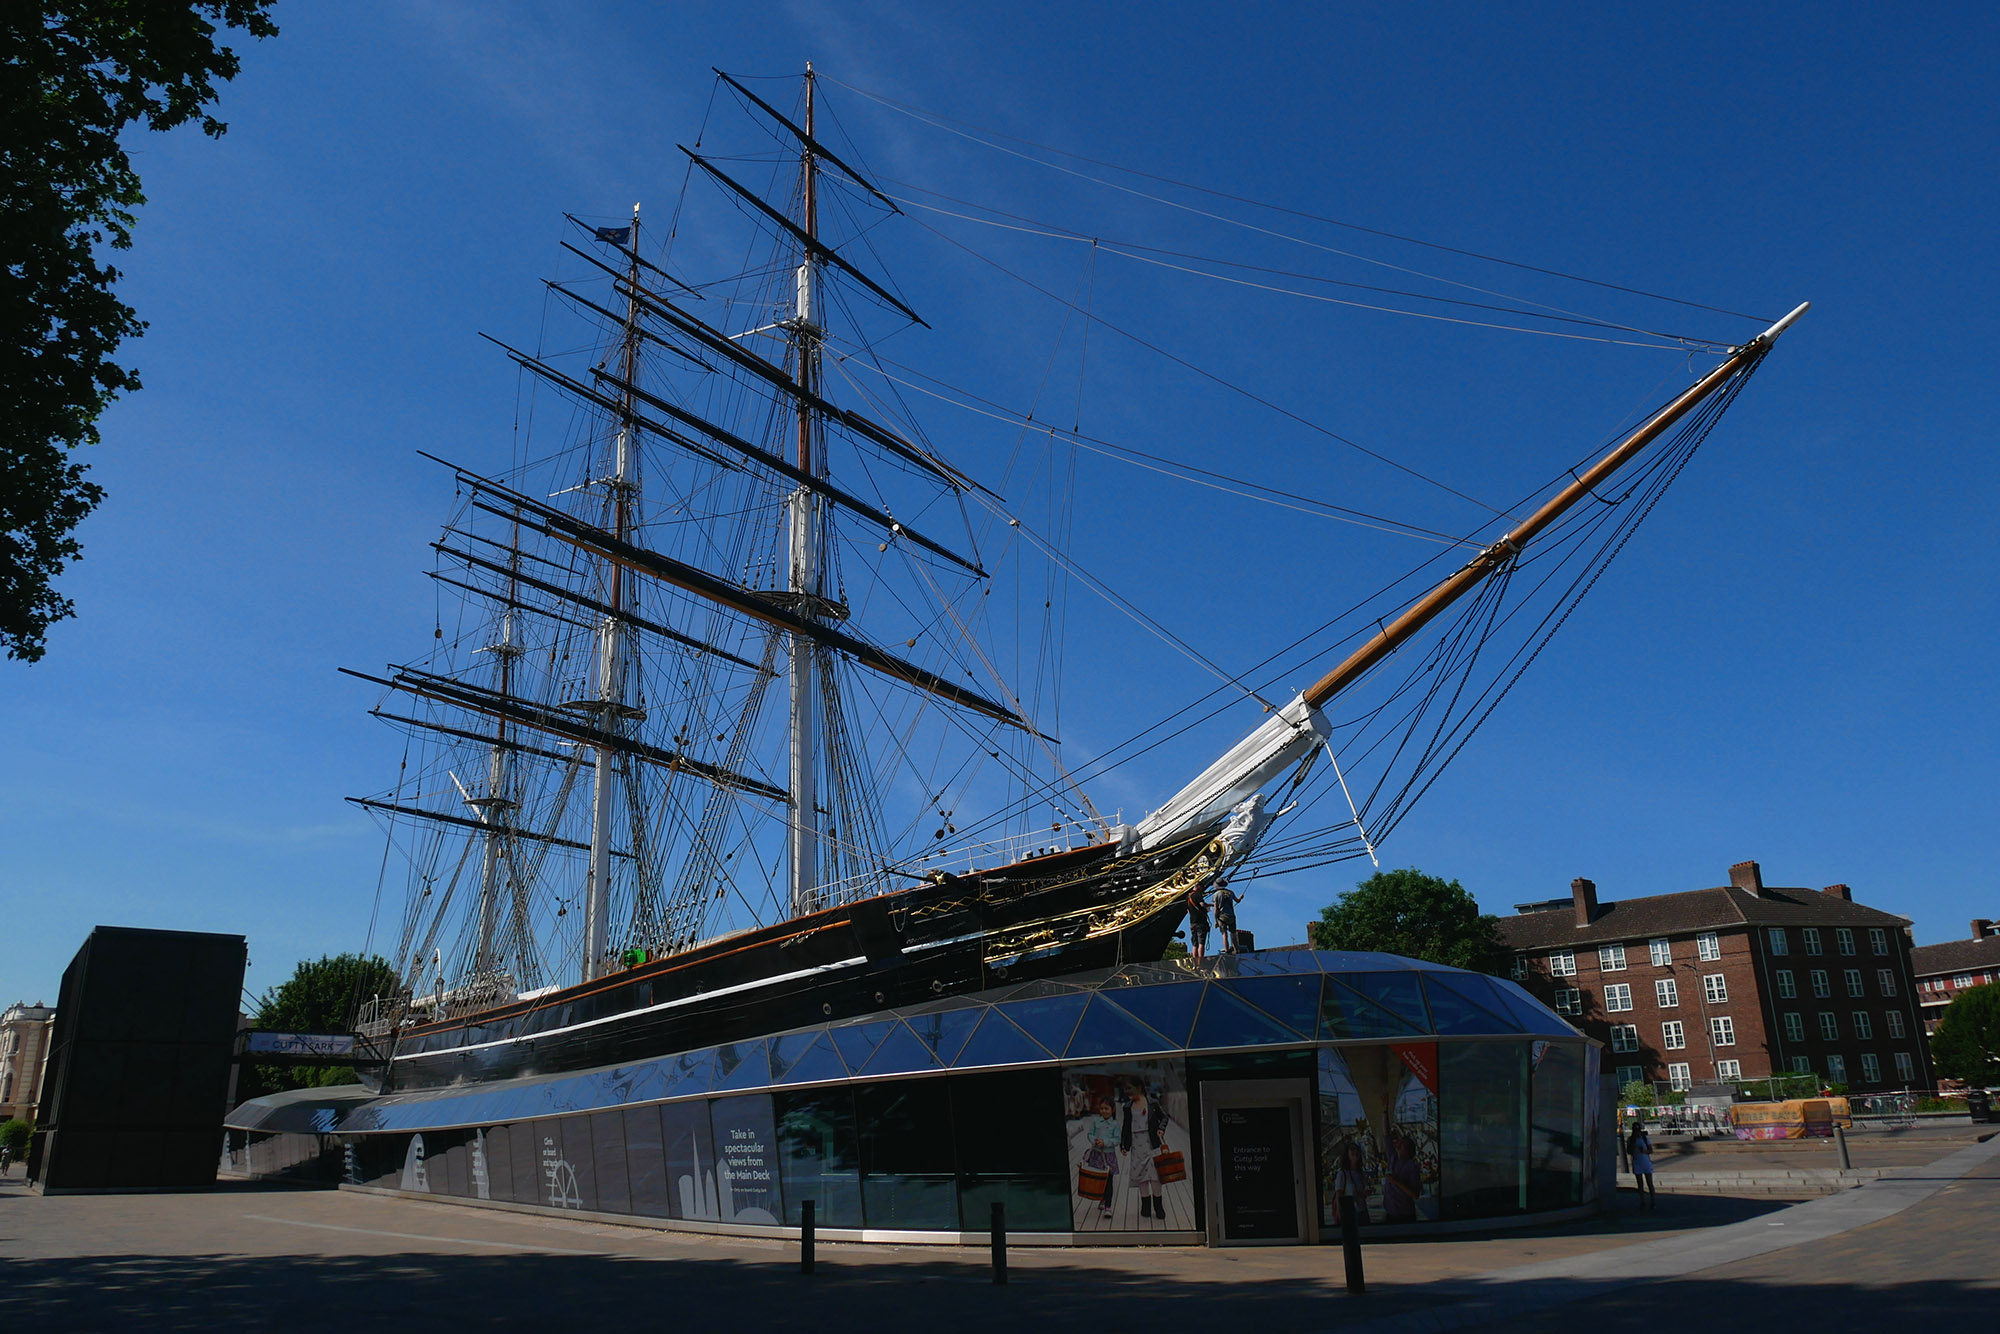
(310,1260)
(1901,1147)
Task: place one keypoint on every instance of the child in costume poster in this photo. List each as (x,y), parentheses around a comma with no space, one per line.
(1378,1131)
(1128,1148)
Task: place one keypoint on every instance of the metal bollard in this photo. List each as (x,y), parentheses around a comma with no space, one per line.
(1350,1245)
(999,1241)
(1840,1147)
(807,1210)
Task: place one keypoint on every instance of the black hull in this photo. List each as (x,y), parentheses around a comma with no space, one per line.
(1085,908)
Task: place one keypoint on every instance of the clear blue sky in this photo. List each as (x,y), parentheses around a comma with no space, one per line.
(1793,661)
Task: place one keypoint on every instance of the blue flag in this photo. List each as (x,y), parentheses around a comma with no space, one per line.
(613,235)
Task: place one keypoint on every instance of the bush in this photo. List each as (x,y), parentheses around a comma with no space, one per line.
(15,1135)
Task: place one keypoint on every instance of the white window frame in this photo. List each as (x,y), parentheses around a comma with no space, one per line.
(1673,1035)
(1625,1037)
(1906,1067)
(1569,1001)
(1715,988)
(1864,1026)
(1829,1026)
(1795,1026)
(1631,1074)
(1878,940)
(1708,947)
(1822,984)
(1722,1030)
(1843,939)
(1618,998)
(1892,1023)
(1666,993)
(1961,980)
(1836,1068)
(1871,1068)
(1610,958)
(1852,977)
(1562,963)
(1661,951)
(1885,978)
(1788,985)
(1809,939)
(1729,1069)
(1775,937)
(1678,1077)
(1802,1065)
(1520,968)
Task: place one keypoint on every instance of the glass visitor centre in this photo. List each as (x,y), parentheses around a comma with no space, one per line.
(1231,1100)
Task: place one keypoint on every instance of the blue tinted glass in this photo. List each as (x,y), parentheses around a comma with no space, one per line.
(946,1031)
(1041,988)
(1227,1022)
(1397,992)
(818,1062)
(1345,1013)
(1107,1030)
(901,1051)
(742,1065)
(1460,1004)
(1169,1009)
(997,1042)
(1049,1022)
(1529,1013)
(1294,1001)
(787,1048)
(857,1042)
(691,1072)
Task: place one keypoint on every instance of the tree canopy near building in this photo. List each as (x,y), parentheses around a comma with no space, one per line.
(1967,1042)
(1413,914)
(321,996)
(74,75)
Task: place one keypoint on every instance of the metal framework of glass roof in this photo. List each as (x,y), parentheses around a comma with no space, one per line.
(1276,998)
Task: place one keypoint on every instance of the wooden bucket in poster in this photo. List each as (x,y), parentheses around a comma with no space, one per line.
(1092,1184)
(1170,1167)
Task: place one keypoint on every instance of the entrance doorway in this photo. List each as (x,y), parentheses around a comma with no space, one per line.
(1259,1162)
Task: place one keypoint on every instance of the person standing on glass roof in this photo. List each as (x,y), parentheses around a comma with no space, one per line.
(1197,911)
(1226,900)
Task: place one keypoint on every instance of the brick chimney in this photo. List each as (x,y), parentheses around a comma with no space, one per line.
(1841,892)
(1981,928)
(1584,892)
(1746,875)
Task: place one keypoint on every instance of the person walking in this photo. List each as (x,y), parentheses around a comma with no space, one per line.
(1639,1148)
(1226,900)
(1197,911)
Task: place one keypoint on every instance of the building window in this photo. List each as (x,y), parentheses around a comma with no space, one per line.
(1906,1068)
(1569,1001)
(1714,989)
(1672,1036)
(1795,1026)
(1630,1074)
(1678,1079)
(1666,993)
(1962,980)
(1836,1068)
(1885,978)
(1854,987)
(1892,1023)
(1729,1069)
(1822,983)
(1562,964)
(1871,1068)
(1617,996)
(1520,969)
(1661,951)
(1864,1026)
(1722,1029)
(1878,940)
(1787,988)
(1802,1065)
(1707,946)
(1776,935)
(1829,1025)
(1843,940)
(1810,935)
(1624,1037)
(1610,958)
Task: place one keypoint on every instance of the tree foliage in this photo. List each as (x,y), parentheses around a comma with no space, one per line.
(74,74)
(321,996)
(1415,915)
(15,1135)
(1967,1042)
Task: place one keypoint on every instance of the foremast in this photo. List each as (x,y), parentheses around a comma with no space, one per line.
(804,544)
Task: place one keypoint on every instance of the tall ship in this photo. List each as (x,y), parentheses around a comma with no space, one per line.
(717,735)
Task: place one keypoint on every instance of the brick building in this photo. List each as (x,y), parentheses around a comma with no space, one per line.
(1738,982)
(24,1058)
(1945,970)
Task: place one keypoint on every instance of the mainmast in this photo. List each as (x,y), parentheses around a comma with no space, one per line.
(610,707)
(496,806)
(804,573)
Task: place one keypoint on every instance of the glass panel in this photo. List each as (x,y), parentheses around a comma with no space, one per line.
(573,1184)
(746,1160)
(691,1072)
(1482,1123)
(944,1032)
(607,1148)
(1346,1013)
(689,1144)
(1462,1004)
(857,1042)
(742,1065)
(1529,1013)
(1010,1150)
(1107,1030)
(646,1162)
(1129,1151)
(788,1048)
(1293,1001)
(998,1042)
(499,1165)
(901,1052)
(1555,1161)
(1164,973)
(818,1157)
(1379,1131)
(1043,988)
(1169,1010)
(908,1174)
(524,1151)
(1396,992)
(819,1061)
(1049,1022)
(1227,1022)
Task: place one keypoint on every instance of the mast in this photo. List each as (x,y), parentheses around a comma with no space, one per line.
(803,524)
(610,705)
(496,807)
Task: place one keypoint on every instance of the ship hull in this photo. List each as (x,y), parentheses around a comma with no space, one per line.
(1082,908)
